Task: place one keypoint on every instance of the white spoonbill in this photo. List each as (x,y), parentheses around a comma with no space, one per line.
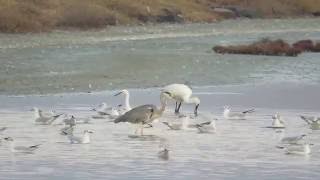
(182,94)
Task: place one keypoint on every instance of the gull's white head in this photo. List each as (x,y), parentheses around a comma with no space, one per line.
(37,112)
(277,116)
(226,109)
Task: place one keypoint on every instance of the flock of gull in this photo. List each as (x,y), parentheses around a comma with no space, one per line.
(143,116)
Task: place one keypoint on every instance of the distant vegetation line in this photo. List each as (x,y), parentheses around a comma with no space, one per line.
(18,16)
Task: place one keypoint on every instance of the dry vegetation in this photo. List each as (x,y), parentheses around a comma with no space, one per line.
(271,48)
(44,15)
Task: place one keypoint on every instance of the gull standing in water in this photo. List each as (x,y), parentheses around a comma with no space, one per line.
(182,94)
(207,127)
(21,149)
(227,114)
(127,106)
(299,149)
(69,123)
(292,139)
(164,152)
(312,121)
(85,139)
(181,124)
(277,121)
(103,110)
(144,114)
(41,118)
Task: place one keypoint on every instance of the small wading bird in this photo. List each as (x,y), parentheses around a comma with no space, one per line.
(69,124)
(303,149)
(41,118)
(312,121)
(207,127)
(21,149)
(144,114)
(127,106)
(182,123)
(181,94)
(104,110)
(227,114)
(277,121)
(85,139)
(292,139)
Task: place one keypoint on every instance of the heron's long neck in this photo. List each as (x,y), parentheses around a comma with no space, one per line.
(126,102)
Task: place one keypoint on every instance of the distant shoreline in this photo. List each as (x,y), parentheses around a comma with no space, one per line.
(45,16)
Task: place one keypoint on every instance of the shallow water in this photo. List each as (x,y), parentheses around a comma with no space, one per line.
(151,56)
(241,149)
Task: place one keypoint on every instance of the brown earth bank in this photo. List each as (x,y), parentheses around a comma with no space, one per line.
(271,48)
(18,16)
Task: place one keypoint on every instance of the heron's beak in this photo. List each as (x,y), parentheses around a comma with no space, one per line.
(118,94)
(196,110)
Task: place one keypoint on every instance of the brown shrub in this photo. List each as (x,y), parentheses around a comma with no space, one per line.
(304,45)
(263,47)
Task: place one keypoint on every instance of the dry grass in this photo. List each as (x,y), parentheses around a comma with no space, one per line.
(44,15)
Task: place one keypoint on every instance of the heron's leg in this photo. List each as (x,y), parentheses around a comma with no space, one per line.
(177,111)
